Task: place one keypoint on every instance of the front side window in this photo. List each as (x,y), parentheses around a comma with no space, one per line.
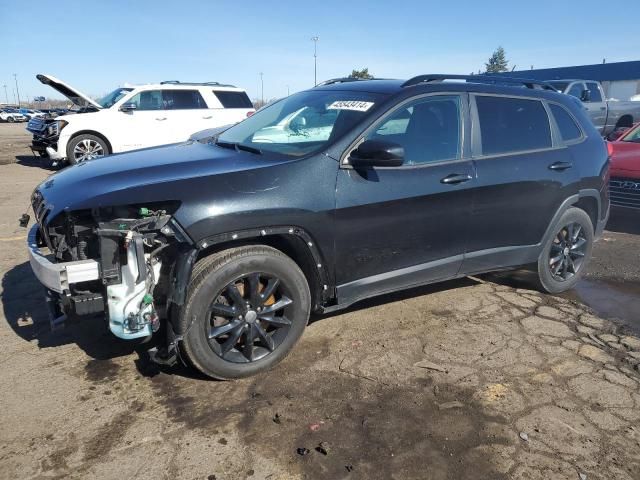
(302,123)
(576,90)
(594,92)
(428,129)
(148,100)
(566,124)
(512,124)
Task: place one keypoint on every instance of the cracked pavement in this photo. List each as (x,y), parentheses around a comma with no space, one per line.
(465,379)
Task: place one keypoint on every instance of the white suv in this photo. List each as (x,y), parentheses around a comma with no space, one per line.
(143,116)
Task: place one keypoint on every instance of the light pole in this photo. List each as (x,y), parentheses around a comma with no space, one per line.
(315,59)
(287,90)
(6,95)
(15,77)
(262,88)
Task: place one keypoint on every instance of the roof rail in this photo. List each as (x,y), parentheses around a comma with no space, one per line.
(178,82)
(340,80)
(480,78)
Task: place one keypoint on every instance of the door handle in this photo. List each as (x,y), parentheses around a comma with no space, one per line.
(207,118)
(455,178)
(161,118)
(560,166)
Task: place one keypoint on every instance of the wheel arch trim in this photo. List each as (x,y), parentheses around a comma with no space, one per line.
(184,264)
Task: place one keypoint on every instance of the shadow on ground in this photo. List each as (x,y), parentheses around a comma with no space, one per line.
(27,314)
(35,161)
(624,221)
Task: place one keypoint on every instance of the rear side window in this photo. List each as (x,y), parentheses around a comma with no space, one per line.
(512,124)
(566,124)
(182,100)
(594,92)
(233,99)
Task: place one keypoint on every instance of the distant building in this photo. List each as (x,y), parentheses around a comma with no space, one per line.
(620,80)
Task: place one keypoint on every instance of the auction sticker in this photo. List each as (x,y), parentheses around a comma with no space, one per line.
(356,105)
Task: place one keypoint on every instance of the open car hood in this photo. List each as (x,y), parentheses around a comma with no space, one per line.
(77,97)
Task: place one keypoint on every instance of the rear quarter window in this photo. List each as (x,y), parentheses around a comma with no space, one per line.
(509,125)
(569,130)
(233,99)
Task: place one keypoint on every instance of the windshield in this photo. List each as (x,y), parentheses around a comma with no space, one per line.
(302,123)
(633,135)
(108,100)
(560,86)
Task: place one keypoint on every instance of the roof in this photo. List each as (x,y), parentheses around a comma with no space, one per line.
(601,72)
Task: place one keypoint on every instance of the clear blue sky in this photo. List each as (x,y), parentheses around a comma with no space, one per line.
(97,46)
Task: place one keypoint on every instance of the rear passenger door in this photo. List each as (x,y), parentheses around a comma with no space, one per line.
(596,105)
(524,171)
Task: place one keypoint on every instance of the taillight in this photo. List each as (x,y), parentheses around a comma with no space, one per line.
(250,112)
(609,148)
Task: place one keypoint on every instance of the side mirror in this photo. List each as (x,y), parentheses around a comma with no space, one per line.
(128,107)
(377,153)
(585,96)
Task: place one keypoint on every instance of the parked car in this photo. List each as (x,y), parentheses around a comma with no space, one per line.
(130,118)
(624,186)
(29,113)
(607,115)
(12,115)
(233,242)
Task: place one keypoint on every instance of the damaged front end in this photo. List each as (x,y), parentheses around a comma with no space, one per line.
(114,260)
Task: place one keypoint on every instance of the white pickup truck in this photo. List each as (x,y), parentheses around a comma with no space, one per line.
(607,115)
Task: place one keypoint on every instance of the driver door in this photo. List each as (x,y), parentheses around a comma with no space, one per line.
(146,126)
(398,227)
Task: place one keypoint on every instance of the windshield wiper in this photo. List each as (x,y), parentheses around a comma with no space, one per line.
(238,146)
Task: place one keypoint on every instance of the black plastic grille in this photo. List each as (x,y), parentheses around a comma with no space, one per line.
(625,192)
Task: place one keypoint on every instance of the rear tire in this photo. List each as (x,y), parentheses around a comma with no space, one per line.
(232,329)
(10,119)
(566,253)
(86,147)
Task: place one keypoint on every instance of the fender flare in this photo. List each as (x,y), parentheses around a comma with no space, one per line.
(569,202)
(187,257)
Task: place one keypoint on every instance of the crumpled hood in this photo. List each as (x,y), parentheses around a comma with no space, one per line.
(149,175)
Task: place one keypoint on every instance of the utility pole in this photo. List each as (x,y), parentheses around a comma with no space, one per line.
(315,59)
(262,88)
(287,90)
(6,95)
(15,77)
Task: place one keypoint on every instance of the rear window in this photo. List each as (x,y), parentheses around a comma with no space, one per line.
(512,124)
(566,124)
(233,99)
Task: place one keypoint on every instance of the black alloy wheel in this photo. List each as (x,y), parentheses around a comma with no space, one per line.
(567,252)
(248,318)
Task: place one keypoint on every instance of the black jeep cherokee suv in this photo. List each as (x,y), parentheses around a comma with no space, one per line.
(345,191)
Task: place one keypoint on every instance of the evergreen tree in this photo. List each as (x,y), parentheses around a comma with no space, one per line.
(497,62)
(364,74)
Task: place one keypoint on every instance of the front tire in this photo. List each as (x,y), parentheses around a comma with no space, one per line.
(567,252)
(86,147)
(246,308)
